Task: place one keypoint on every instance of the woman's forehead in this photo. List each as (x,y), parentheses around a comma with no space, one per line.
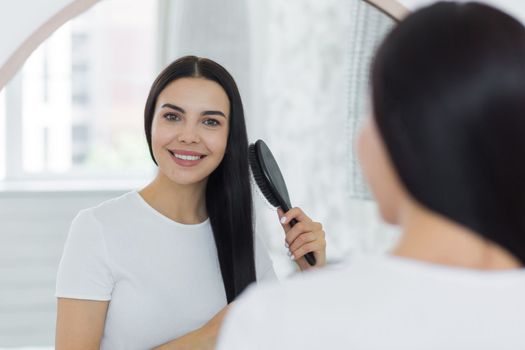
(194,93)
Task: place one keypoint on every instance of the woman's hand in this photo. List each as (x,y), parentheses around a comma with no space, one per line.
(304,237)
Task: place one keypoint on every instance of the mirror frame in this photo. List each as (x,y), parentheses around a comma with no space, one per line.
(39,34)
(392,8)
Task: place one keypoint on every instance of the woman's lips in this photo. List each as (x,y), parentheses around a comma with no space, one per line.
(186,158)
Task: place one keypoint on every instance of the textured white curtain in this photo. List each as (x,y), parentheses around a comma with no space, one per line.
(302,69)
(368,26)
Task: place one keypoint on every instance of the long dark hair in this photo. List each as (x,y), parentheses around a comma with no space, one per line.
(228,191)
(448,87)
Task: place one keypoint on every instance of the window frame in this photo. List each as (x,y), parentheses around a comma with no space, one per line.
(14,174)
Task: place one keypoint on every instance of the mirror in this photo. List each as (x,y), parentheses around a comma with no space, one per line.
(302,68)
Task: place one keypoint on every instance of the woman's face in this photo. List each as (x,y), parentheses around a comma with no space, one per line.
(379,172)
(190,127)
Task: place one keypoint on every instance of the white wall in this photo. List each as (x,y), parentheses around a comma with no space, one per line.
(33,229)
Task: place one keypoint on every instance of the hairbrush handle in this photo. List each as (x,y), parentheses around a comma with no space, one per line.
(308,256)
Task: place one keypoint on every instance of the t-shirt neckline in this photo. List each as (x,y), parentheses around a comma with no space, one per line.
(154,211)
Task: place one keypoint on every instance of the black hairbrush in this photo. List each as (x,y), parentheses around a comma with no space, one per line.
(268,177)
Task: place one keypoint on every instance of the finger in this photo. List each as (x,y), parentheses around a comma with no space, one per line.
(301,227)
(282,219)
(295,231)
(311,247)
(297,214)
(302,239)
(318,238)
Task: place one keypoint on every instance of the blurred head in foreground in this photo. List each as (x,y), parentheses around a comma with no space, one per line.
(446,142)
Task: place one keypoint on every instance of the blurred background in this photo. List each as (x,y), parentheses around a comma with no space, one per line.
(71,126)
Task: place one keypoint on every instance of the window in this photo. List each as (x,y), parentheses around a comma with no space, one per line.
(75,109)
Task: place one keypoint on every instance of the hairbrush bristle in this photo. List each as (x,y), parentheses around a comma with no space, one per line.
(260,180)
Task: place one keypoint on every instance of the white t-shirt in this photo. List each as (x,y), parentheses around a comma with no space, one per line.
(163,278)
(382,303)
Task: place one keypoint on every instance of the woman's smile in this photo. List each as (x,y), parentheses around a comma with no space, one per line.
(186,158)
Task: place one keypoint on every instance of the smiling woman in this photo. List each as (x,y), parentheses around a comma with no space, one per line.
(151,268)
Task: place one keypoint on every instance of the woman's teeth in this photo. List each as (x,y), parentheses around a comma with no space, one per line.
(184,157)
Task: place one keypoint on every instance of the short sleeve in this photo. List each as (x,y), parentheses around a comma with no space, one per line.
(263,262)
(84,271)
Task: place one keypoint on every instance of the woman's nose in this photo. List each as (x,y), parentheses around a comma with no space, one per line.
(188,135)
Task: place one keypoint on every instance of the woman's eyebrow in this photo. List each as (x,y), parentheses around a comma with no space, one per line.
(181,110)
(172,106)
(213,113)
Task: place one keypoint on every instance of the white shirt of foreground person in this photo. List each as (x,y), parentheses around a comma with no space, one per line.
(382,303)
(163,278)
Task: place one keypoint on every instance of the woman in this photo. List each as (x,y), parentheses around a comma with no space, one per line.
(150,268)
(443,155)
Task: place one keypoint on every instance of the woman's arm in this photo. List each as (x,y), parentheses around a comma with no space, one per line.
(204,338)
(80,324)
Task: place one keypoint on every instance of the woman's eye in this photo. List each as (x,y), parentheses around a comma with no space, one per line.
(172,117)
(211,122)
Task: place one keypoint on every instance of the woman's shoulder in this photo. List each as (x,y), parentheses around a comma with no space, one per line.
(113,206)
(111,209)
